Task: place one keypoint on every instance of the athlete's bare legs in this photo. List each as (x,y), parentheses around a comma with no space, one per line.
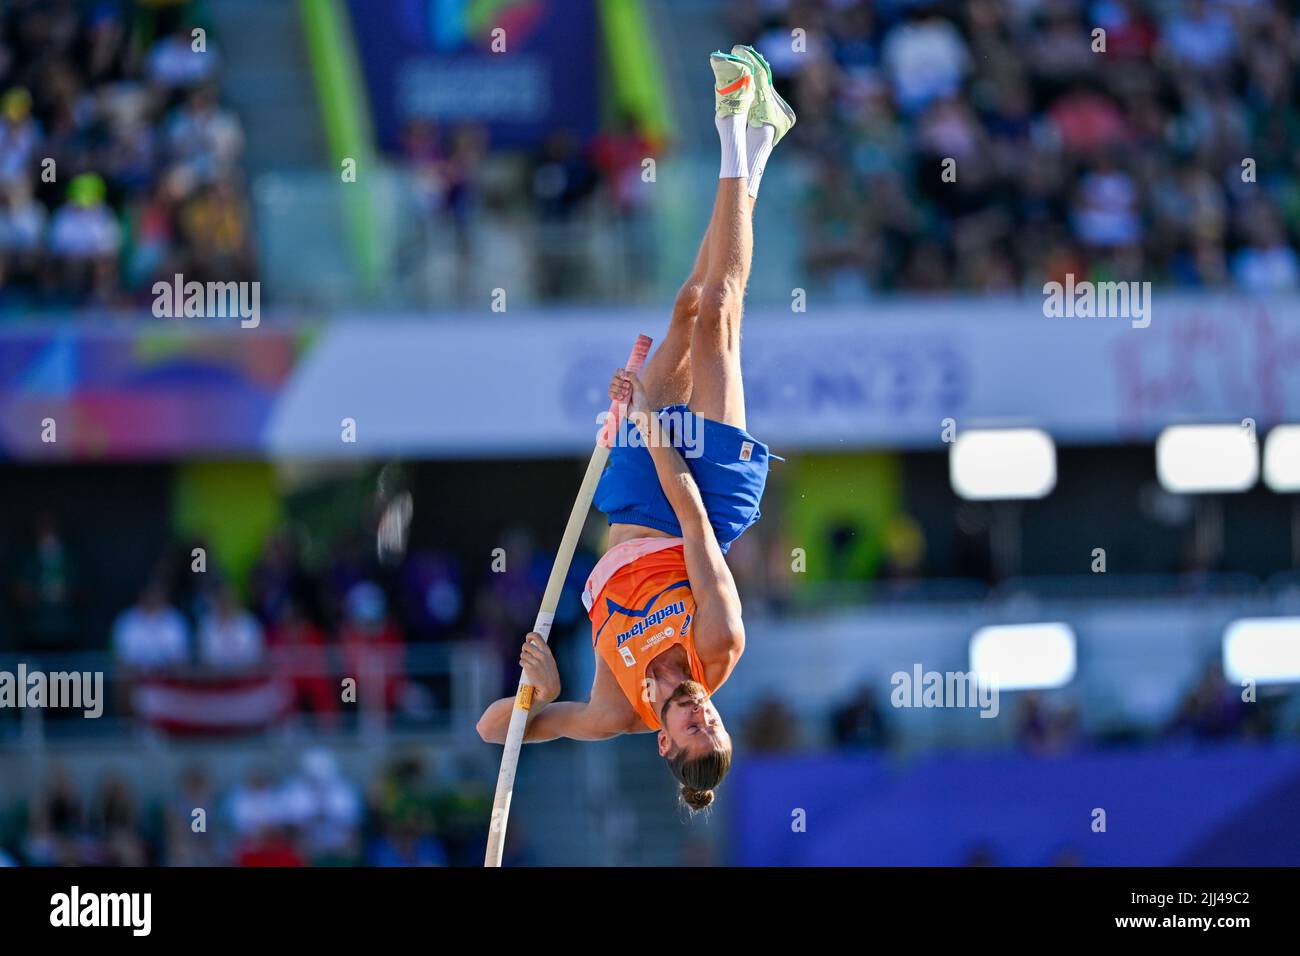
(667,375)
(698,361)
(717,390)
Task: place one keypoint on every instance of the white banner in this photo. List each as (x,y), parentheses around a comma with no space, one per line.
(829,378)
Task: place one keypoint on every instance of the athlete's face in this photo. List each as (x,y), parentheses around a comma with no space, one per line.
(691,722)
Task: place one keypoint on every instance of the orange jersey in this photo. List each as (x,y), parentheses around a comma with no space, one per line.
(640,609)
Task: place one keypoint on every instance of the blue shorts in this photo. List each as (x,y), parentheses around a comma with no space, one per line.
(729,466)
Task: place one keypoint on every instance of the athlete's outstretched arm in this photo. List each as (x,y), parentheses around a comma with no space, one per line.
(568,718)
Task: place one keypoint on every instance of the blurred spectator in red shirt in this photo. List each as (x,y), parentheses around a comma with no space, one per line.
(260,816)
(326,809)
(372,645)
(299,657)
(619,154)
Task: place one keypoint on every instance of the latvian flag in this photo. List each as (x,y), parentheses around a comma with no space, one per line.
(234,704)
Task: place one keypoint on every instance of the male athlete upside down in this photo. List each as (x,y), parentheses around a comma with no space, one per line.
(665,616)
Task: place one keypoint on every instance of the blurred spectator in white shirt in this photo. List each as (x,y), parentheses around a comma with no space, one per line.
(84,227)
(256,805)
(204,137)
(325,807)
(1106,211)
(151,634)
(260,817)
(1267,264)
(926,59)
(174,63)
(230,636)
(1200,37)
(22,219)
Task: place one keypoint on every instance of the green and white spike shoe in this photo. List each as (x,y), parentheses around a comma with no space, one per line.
(768,106)
(733,89)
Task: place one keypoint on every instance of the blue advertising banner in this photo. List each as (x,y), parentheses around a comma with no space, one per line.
(519,68)
(1163,807)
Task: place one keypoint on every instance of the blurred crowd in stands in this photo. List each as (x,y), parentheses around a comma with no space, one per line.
(118,164)
(303,625)
(571,186)
(306,625)
(990,146)
(1111,139)
(306,618)
(1043,723)
(313,813)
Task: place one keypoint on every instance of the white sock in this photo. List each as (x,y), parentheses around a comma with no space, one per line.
(731,130)
(758,144)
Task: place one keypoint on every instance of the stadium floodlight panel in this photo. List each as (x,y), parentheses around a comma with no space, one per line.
(1263,649)
(1282,458)
(990,464)
(1193,459)
(1024,656)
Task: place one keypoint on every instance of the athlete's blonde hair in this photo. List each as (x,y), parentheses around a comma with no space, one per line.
(700,776)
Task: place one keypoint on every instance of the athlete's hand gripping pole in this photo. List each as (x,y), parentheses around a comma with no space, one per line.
(550,599)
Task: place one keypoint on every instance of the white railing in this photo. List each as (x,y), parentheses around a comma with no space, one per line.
(380,243)
(455,680)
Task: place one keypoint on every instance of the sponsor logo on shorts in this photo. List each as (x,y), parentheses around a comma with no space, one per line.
(746,450)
